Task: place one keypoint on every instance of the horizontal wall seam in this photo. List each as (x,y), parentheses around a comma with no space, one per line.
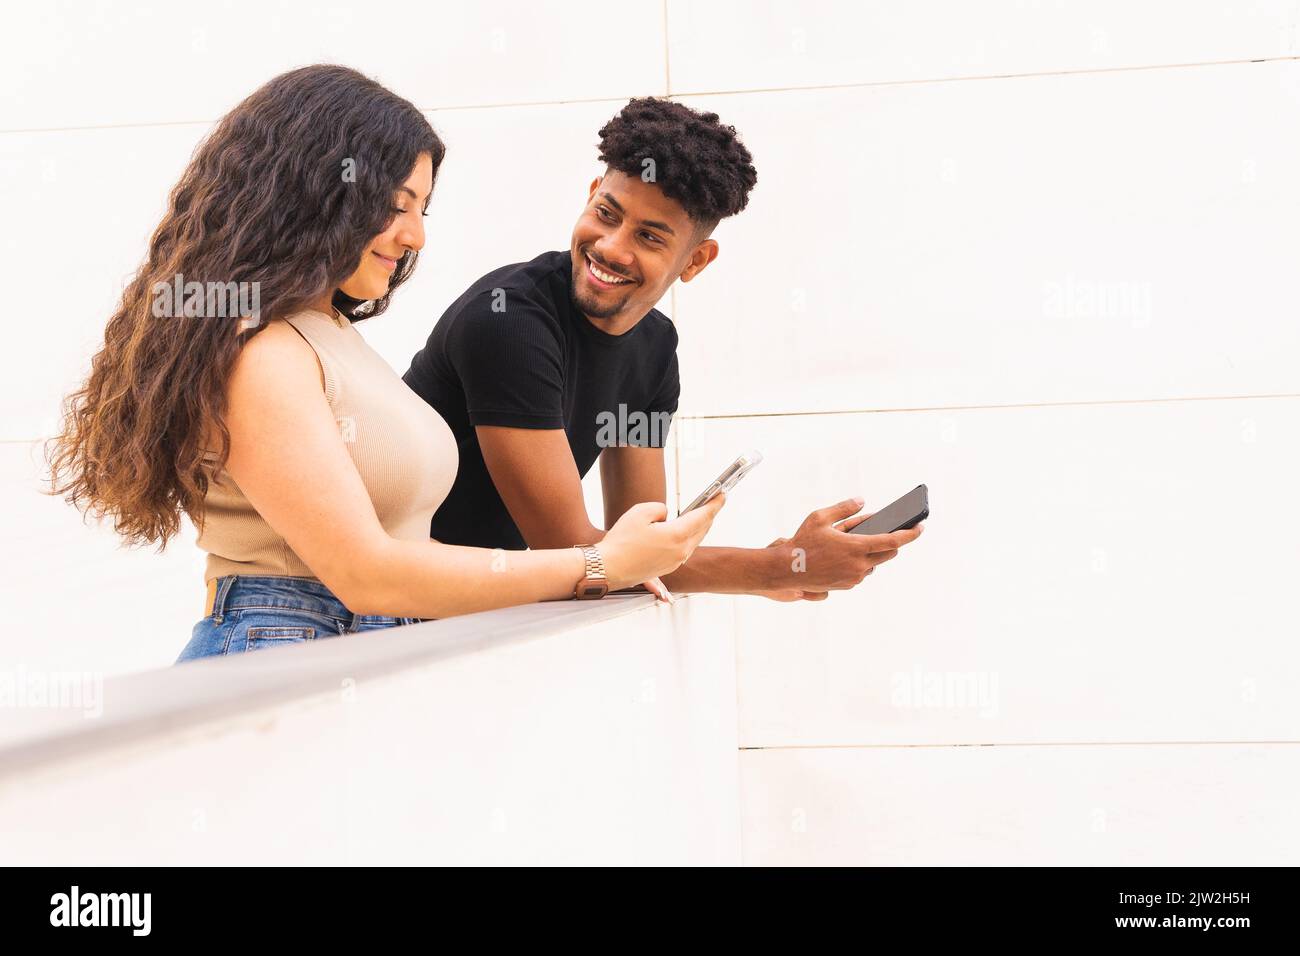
(681,94)
(1070,743)
(960,408)
(991,76)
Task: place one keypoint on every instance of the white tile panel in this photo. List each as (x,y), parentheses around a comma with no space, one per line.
(1203,805)
(745,45)
(1089,574)
(73,64)
(74,599)
(1061,238)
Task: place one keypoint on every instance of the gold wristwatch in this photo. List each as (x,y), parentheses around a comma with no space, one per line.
(593,585)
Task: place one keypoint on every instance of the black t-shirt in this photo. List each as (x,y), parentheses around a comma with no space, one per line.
(514,350)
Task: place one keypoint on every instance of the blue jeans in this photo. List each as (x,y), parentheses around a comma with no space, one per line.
(253,612)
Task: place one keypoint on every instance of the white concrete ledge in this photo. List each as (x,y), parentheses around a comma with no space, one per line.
(138,706)
(594,732)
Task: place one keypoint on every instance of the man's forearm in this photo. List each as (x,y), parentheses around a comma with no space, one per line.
(540,539)
(731,571)
(715,570)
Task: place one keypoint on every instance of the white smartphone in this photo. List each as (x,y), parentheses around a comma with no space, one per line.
(729,478)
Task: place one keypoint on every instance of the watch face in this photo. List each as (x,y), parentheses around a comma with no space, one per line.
(593,590)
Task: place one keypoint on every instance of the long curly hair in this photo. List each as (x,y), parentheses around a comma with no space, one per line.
(286,192)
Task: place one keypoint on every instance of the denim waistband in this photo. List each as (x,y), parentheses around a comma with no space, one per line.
(236,591)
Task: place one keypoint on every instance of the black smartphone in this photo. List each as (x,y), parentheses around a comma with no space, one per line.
(907,512)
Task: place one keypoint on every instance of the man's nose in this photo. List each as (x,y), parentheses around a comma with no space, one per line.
(615,247)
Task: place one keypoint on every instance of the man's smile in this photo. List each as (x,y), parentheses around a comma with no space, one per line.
(603,279)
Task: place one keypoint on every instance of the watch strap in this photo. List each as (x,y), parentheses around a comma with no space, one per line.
(594,584)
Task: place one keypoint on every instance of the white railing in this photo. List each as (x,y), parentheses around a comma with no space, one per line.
(601,732)
(604,732)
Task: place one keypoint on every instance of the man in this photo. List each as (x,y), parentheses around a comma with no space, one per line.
(533,362)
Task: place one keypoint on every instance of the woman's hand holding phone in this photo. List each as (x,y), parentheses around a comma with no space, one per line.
(642,545)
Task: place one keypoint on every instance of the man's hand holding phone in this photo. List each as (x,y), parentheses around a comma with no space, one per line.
(834,549)
(823,556)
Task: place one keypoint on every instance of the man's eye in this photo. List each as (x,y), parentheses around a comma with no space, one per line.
(603,212)
(651,237)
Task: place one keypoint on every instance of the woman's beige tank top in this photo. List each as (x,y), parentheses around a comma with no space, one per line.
(404,451)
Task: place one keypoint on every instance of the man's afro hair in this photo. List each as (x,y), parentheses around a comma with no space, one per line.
(698,161)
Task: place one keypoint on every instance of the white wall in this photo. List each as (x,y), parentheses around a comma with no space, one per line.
(1038,255)
(1041,257)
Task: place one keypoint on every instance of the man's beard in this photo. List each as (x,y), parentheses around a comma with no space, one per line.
(590,307)
(595,310)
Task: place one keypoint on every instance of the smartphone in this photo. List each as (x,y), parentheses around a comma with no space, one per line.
(729,478)
(907,512)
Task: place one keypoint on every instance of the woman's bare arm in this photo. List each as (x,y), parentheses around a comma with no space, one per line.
(289,459)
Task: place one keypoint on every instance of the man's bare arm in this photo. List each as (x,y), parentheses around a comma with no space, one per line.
(537,478)
(820,557)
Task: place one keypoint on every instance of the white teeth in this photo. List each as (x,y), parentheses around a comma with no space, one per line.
(604,276)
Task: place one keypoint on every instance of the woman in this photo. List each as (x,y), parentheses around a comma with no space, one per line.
(310,469)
